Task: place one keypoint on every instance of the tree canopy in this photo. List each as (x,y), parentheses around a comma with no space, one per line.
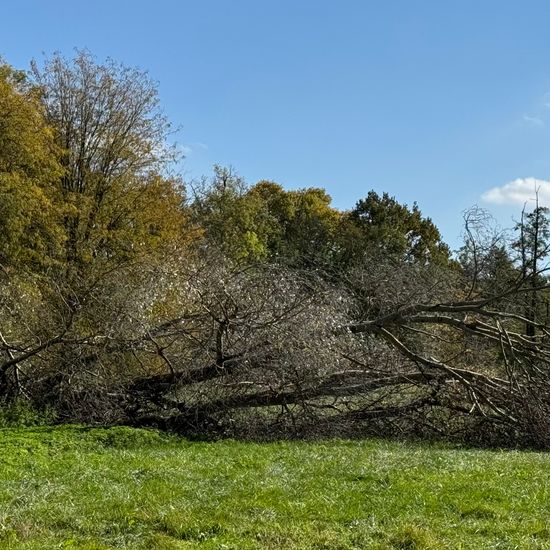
(30,210)
(382,222)
(113,149)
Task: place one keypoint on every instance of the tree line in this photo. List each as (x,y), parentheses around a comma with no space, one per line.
(218,308)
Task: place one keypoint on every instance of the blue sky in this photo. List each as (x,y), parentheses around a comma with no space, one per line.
(443,103)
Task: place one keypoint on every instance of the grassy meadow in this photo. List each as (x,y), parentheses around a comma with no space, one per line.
(91,488)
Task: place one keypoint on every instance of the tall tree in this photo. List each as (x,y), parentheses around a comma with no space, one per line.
(265,222)
(113,141)
(30,228)
(227,217)
(382,223)
(533,246)
(299,226)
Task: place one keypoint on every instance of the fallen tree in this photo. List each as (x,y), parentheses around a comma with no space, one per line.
(267,351)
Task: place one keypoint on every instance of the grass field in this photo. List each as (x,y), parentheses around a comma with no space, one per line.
(73,487)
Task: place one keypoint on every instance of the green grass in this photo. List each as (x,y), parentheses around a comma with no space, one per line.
(74,487)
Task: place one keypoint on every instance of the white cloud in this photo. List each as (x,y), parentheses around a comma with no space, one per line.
(533,120)
(519,191)
(190,148)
